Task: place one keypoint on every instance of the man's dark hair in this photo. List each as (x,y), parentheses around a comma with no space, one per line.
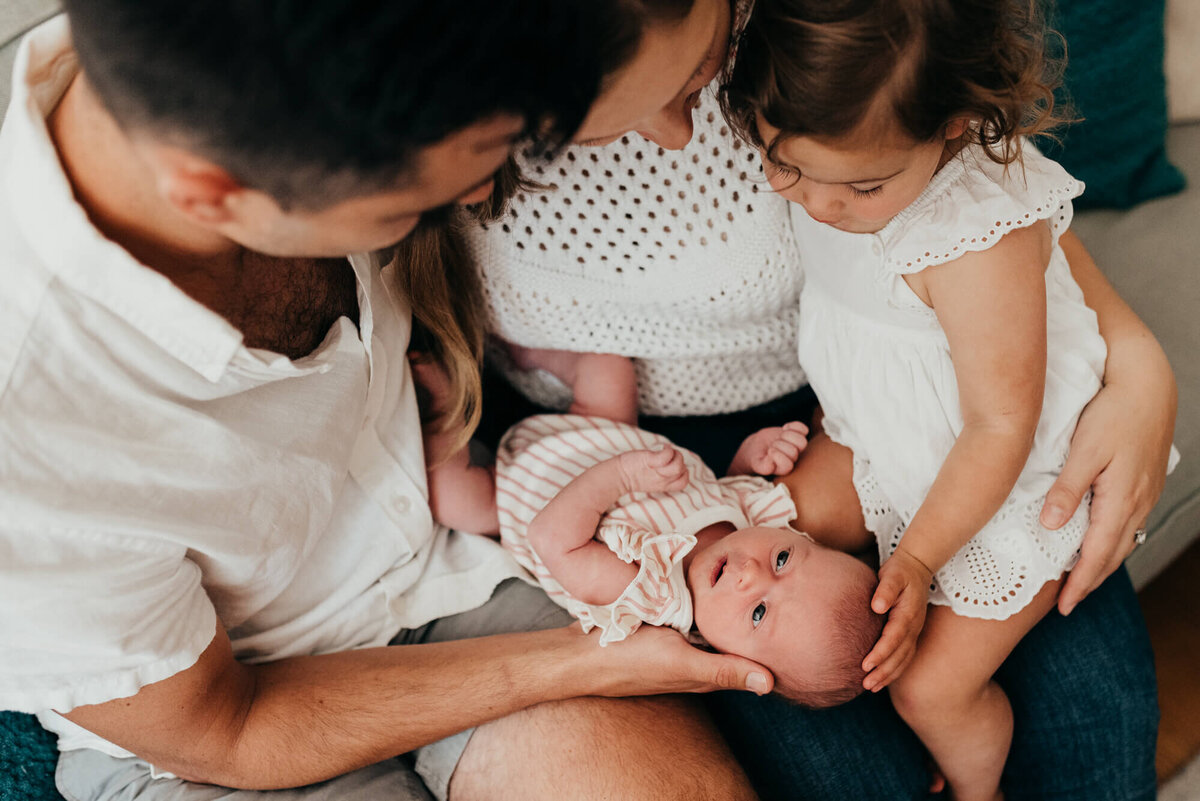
(313,102)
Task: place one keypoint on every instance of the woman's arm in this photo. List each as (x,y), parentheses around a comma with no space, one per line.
(1123,439)
(992,306)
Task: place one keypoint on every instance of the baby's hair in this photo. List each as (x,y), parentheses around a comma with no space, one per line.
(856,630)
(832,68)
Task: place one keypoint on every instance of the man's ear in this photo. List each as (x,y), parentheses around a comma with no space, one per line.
(195,187)
(956,128)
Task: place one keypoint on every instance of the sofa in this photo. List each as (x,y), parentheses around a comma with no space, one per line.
(1150,252)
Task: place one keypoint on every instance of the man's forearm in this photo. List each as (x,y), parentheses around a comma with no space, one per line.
(306,719)
(316,717)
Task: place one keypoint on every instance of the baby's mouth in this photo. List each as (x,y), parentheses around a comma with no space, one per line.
(718,570)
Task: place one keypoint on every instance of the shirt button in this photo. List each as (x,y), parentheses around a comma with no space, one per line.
(875,248)
(401,504)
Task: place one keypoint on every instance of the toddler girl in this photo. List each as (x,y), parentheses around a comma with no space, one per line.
(940,327)
(622,528)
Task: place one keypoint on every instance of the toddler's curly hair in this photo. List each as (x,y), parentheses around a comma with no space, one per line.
(831,69)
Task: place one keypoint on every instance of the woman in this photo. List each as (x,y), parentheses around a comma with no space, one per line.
(657,242)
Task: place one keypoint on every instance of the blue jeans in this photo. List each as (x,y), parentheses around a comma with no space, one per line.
(1083,689)
(1084,703)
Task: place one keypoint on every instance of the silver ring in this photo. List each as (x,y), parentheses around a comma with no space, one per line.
(1139,536)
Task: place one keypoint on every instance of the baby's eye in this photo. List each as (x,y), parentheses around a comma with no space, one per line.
(781,559)
(875,190)
(758,614)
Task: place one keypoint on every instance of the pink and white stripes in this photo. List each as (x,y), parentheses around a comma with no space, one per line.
(541,455)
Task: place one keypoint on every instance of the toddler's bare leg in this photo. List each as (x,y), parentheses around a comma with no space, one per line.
(947,695)
(822,488)
(605,386)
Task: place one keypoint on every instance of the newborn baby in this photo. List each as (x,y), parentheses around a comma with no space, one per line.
(620,527)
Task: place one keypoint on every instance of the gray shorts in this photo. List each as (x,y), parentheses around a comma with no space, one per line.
(422,775)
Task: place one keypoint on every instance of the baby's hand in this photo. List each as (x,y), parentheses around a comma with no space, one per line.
(903,593)
(653,471)
(770,452)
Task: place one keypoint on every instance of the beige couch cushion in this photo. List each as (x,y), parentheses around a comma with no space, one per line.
(17,17)
(1150,253)
(1183,60)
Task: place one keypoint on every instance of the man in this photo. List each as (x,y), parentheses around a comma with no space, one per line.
(212,497)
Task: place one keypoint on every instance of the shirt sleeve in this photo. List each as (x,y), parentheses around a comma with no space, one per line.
(89,618)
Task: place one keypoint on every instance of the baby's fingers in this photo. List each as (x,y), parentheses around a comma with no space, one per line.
(782,458)
(795,438)
(796,426)
(662,458)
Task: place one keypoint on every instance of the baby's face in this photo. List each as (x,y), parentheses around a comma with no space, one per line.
(768,594)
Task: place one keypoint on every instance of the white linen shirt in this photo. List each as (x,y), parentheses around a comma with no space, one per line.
(157,475)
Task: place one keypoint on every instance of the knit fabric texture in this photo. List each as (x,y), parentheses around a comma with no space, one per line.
(27,759)
(684,260)
(1116,88)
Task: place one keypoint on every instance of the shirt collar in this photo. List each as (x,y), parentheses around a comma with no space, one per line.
(57,228)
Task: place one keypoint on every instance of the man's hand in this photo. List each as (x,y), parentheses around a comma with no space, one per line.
(770,452)
(655,660)
(903,593)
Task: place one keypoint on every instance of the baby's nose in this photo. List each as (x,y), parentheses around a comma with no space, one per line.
(749,573)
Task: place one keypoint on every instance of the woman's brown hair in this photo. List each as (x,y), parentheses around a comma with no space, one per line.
(436,275)
(823,68)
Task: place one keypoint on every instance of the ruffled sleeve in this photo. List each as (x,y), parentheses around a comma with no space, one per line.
(763,503)
(973,202)
(658,595)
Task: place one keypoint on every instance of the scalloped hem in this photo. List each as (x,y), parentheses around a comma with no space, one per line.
(1010,544)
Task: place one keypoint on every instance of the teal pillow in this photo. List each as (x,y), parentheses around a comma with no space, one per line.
(27,759)
(1114,81)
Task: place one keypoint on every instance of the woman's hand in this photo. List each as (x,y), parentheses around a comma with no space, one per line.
(903,593)
(1123,439)
(1119,451)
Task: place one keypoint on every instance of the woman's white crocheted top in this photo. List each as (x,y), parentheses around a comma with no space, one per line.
(684,260)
